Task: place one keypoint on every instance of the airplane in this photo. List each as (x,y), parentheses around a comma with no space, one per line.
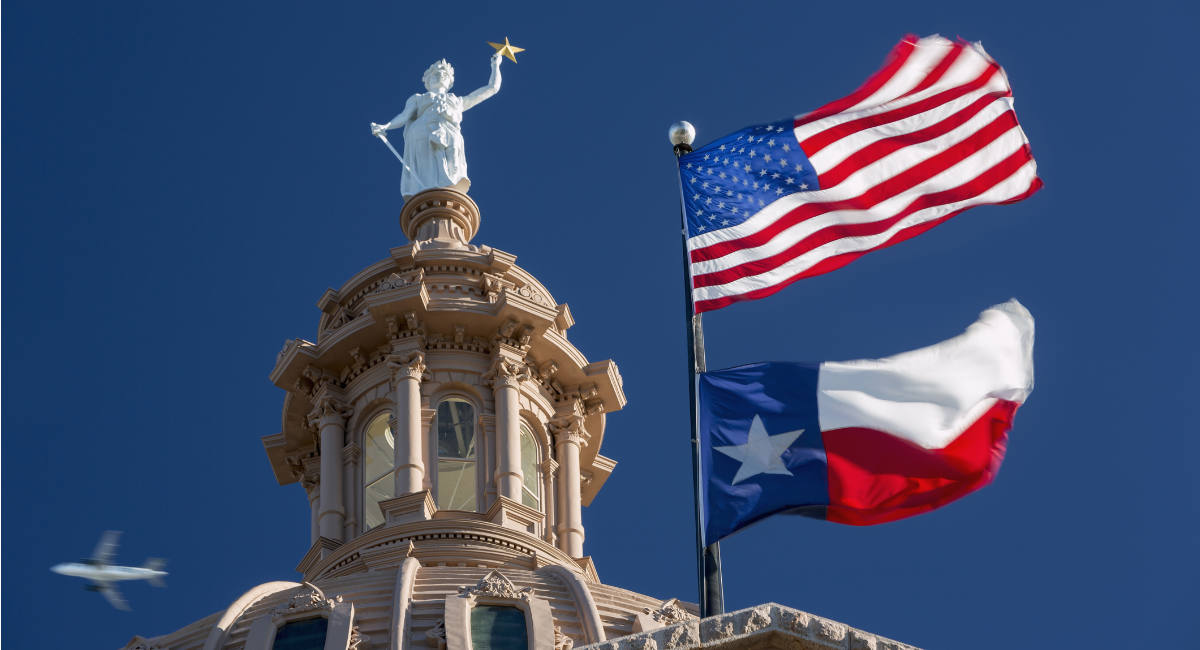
(102,573)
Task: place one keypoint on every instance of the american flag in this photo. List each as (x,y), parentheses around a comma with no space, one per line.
(928,136)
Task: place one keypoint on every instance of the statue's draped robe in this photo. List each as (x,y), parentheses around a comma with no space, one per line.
(433,145)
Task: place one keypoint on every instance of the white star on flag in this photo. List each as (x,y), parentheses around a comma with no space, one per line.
(762,453)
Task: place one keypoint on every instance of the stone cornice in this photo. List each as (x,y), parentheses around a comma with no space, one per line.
(599,470)
(768,625)
(444,540)
(322,547)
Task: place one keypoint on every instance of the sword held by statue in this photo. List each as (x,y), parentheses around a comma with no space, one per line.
(380,134)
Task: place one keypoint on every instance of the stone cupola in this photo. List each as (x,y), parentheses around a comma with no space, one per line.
(442,401)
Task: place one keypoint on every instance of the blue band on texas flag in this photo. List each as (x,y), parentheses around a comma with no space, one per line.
(868,441)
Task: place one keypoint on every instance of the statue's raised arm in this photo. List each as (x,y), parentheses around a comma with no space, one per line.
(492,87)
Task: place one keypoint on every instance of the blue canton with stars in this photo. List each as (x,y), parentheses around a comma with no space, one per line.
(782,397)
(729,180)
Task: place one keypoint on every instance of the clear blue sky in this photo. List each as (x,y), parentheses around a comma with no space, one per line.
(182,182)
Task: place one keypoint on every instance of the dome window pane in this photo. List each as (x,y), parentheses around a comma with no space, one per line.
(531,489)
(308,634)
(379,460)
(498,628)
(456,483)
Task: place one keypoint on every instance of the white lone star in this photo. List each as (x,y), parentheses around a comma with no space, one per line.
(762,453)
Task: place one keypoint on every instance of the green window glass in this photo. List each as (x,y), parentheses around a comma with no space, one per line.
(531,468)
(456,455)
(308,634)
(498,628)
(379,459)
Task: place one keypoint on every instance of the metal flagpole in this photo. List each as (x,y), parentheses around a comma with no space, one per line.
(712,593)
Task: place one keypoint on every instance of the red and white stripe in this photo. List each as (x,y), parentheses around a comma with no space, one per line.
(931,134)
(917,430)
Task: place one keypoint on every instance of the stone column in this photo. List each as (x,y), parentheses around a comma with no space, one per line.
(569,438)
(350,494)
(550,499)
(311,483)
(329,416)
(506,377)
(407,371)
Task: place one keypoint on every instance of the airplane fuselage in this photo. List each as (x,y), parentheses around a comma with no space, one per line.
(106,572)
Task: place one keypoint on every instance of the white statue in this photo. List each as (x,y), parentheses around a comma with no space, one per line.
(433,142)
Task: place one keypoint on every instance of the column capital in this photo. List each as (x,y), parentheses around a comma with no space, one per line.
(569,429)
(328,408)
(410,365)
(307,470)
(507,372)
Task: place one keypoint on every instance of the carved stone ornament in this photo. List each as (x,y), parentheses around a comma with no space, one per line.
(356,639)
(287,345)
(495,585)
(491,285)
(341,317)
(562,641)
(410,366)
(358,361)
(507,372)
(308,473)
(507,330)
(670,613)
(548,370)
(317,377)
(312,600)
(529,293)
(399,281)
(328,406)
(570,428)
(436,635)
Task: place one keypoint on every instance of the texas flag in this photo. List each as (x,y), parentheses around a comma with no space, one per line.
(868,441)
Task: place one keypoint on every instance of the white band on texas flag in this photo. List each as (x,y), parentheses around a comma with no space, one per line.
(868,441)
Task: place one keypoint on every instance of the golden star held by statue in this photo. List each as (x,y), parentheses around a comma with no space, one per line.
(508,49)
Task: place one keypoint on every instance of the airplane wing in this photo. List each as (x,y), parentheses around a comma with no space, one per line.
(106,548)
(113,596)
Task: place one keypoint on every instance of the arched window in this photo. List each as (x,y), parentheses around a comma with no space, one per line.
(455,428)
(378,484)
(531,468)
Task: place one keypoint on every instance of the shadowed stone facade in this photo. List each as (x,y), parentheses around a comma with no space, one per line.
(446,435)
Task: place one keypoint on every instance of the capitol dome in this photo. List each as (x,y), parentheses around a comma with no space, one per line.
(446,434)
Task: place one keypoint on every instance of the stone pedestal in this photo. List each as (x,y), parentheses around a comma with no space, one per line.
(440,218)
(418,506)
